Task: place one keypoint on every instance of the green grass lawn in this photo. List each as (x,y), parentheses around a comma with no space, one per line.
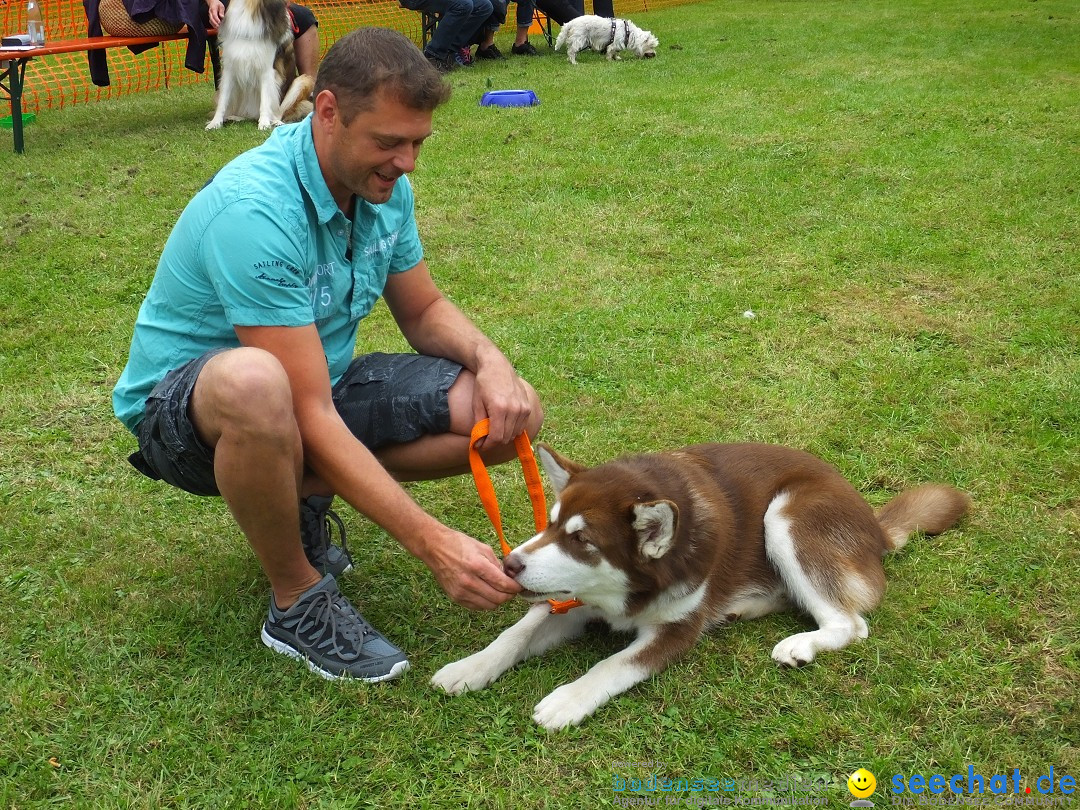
(892,188)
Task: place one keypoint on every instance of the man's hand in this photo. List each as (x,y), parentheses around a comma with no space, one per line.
(469,572)
(500,395)
(217,12)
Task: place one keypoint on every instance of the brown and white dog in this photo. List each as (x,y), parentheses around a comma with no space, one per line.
(671,544)
(259,80)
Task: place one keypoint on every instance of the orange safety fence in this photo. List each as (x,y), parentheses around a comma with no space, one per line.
(62,79)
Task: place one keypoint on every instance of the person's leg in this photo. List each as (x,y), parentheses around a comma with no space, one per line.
(258,460)
(561,11)
(200,433)
(486,36)
(524,22)
(306,47)
(603,8)
(306,39)
(456,26)
(447,454)
(415,413)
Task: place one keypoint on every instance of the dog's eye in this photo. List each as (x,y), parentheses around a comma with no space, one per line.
(579,538)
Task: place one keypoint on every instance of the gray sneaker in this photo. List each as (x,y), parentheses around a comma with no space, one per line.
(317,520)
(324,628)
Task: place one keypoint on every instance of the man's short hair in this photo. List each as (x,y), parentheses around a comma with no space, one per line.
(365,61)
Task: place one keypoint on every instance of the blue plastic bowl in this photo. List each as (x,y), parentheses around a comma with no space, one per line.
(509,98)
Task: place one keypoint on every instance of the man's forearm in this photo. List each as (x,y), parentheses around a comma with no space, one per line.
(355,475)
(443,330)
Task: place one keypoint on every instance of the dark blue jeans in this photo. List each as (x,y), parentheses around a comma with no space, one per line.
(461,20)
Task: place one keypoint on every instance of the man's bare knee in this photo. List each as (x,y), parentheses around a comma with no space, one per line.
(245,388)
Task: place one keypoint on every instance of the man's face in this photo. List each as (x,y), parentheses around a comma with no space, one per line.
(379,145)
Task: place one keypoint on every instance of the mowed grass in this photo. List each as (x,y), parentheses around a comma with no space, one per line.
(890,187)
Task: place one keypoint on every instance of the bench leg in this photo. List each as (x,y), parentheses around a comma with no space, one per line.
(14,71)
(428,21)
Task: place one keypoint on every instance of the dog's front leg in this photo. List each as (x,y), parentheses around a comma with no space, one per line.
(651,652)
(269,96)
(539,630)
(224,100)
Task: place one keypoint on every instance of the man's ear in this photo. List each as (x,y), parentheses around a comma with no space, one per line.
(558,468)
(655,524)
(326,108)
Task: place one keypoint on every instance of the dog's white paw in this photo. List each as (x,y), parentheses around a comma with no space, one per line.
(215,123)
(796,650)
(467,675)
(566,706)
(266,123)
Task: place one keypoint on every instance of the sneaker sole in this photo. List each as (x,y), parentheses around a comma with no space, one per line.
(280,646)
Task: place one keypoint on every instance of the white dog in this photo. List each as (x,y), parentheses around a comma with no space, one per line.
(259,80)
(604,34)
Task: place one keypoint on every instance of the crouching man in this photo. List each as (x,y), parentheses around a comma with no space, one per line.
(242,381)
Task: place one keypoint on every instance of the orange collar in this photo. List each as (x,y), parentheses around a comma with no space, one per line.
(486,491)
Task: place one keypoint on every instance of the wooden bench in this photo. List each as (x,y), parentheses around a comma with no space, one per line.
(13,64)
(428,21)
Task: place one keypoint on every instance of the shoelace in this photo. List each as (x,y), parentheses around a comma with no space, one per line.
(325,608)
(331,515)
(325,530)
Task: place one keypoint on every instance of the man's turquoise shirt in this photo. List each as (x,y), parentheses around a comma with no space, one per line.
(264,244)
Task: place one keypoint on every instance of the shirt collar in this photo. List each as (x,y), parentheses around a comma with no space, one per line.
(311,177)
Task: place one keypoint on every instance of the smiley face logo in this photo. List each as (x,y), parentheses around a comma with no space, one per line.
(862,783)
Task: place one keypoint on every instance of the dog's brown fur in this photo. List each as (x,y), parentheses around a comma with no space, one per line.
(671,544)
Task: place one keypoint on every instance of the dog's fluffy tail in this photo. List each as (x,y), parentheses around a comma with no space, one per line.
(296,104)
(931,508)
(561,38)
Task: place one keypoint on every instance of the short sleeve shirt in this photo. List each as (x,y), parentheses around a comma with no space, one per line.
(264,244)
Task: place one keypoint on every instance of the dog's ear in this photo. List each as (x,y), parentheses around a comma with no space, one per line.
(655,524)
(558,468)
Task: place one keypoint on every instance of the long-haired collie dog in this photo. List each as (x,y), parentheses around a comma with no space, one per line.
(671,544)
(259,80)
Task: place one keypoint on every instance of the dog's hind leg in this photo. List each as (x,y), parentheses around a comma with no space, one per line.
(832,592)
(538,631)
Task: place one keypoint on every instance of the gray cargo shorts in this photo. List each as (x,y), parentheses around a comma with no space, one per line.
(383,399)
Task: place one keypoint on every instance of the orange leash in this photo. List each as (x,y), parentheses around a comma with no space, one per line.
(486,490)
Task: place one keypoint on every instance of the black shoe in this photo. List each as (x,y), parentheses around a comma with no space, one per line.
(524,49)
(443,64)
(490,52)
(317,520)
